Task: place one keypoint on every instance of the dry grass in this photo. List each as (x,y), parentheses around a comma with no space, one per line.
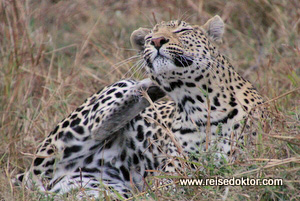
(55,53)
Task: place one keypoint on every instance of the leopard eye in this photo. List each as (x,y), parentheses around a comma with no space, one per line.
(183,30)
(147,38)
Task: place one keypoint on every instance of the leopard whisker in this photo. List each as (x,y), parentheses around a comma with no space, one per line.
(138,69)
(121,63)
(137,64)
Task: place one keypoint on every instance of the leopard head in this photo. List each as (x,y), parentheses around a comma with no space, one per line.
(172,47)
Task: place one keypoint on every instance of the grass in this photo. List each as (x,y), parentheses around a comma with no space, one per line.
(54,54)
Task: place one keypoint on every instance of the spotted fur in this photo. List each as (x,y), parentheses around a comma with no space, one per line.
(115,136)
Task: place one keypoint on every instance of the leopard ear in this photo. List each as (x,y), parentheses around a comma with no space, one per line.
(137,38)
(214,28)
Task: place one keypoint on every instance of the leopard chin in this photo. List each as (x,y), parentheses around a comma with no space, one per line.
(162,65)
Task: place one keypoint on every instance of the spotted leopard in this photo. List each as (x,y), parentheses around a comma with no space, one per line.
(119,133)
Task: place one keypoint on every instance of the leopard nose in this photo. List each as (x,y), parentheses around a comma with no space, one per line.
(158,42)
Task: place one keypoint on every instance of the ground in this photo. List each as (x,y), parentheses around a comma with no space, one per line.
(54,54)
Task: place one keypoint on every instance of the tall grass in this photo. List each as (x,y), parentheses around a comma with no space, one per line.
(54,54)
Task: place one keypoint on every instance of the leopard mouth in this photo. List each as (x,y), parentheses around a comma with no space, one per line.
(178,60)
(183,61)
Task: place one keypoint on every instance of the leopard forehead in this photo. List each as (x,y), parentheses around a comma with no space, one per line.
(170,25)
(171,29)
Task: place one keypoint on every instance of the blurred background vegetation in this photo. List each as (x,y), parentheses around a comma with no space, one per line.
(54,54)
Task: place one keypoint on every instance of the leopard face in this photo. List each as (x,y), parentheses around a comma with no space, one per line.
(171,48)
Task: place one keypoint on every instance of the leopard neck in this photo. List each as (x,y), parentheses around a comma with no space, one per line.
(206,89)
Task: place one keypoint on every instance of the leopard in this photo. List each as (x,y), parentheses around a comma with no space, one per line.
(126,132)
